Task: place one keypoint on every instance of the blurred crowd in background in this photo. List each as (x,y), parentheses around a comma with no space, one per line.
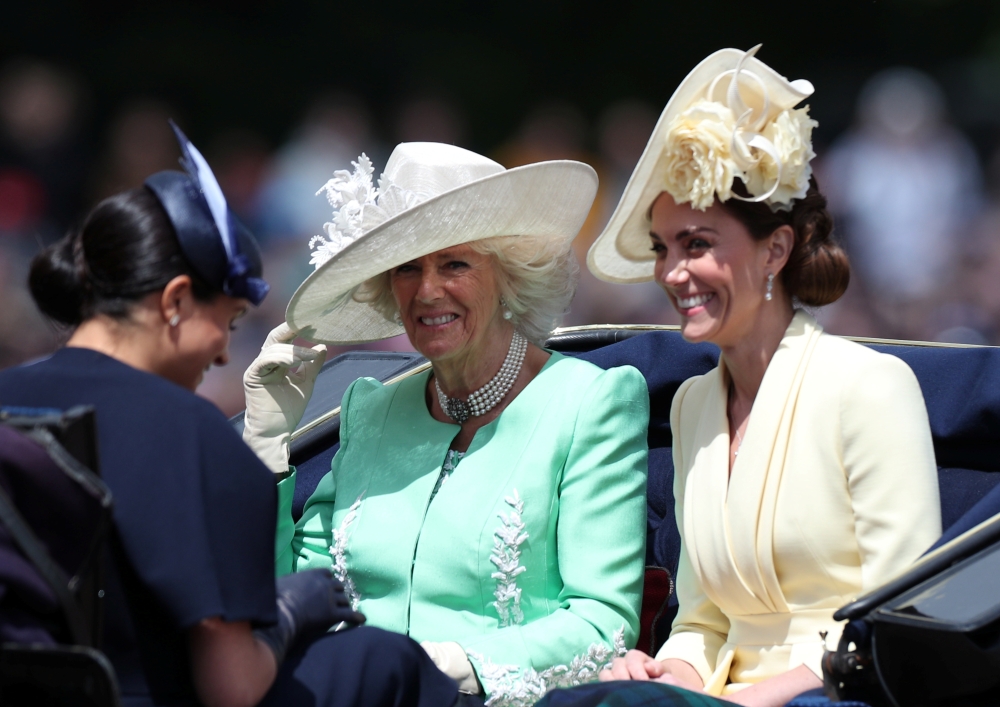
(917,208)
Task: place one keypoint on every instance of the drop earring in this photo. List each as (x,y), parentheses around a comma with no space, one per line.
(175,320)
(770,287)
(507,314)
(398,318)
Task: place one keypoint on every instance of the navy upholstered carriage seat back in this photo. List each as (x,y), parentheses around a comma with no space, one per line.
(961,387)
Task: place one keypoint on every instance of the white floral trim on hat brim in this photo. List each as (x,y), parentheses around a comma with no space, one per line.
(732,117)
(358,207)
(545,199)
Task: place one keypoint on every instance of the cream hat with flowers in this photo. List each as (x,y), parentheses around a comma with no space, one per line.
(732,117)
(431,196)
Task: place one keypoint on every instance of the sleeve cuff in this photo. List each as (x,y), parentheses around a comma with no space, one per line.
(694,649)
(282,475)
(285,530)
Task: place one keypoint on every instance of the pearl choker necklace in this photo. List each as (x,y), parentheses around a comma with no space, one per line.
(486,398)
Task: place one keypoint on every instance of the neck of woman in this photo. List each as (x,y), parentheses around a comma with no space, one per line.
(463,374)
(127,341)
(747,359)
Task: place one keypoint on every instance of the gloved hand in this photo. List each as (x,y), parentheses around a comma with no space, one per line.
(309,603)
(278,384)
(450,659)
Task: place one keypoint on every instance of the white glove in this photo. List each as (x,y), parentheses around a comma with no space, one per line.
(278,384)
(450,658)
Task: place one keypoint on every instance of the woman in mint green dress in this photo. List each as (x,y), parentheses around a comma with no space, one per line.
(493,506)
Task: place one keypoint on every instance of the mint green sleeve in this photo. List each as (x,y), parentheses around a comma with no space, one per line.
(601,539)
(306,544)
(286,526)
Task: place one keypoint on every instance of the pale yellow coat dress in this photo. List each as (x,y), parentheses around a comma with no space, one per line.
(834,490)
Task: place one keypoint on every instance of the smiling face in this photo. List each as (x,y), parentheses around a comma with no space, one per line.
(449,302)
(713,271)
(202,339)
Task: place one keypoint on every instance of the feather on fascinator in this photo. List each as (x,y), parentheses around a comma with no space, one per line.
(218,246)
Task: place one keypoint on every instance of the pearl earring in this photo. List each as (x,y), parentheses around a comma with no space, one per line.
(175,320)
(507,314)
(770,287)
(398,318)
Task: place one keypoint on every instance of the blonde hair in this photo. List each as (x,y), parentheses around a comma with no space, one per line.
(537,279)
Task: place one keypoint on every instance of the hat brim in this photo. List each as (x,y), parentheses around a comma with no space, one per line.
(545,199)
(622,252)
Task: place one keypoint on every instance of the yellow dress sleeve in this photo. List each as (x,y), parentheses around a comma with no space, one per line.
(888,457)
(700,628)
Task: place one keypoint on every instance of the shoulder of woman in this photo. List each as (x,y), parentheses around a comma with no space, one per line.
(363,393)
(867,387)
(623,382)
(362,389)
(691,395)
(859,369)
(180,403)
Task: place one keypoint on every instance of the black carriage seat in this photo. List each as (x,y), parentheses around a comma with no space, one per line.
(54,516)
(961,386)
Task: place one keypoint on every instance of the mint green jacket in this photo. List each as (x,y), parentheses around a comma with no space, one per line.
(530,556)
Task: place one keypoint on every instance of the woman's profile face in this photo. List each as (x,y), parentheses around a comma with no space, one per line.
(449,301)
(202,339)
(711,269)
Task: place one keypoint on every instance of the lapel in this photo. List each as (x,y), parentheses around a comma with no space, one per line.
(398,466)
(740,540)
(706,527)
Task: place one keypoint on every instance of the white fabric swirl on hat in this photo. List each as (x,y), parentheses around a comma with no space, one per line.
(758,102)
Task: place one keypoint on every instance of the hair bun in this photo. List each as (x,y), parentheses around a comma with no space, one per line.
(55,281)
(818,270)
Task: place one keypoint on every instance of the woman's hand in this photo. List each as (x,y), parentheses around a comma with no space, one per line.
(450,659)
(234,666)
(309,604)
(636,665)
(278,384)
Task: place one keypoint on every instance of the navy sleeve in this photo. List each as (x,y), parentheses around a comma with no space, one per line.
(197,523)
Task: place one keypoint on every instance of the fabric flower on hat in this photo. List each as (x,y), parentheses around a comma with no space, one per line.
(348,194)
(791,135)
(358,207)
(699,161)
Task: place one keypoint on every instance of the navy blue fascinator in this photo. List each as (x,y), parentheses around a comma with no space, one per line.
(220,249)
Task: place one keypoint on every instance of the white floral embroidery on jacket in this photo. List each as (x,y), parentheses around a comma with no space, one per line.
(506,556)
(338,550)
(507,686)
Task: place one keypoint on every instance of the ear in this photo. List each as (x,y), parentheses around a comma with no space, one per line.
(778,248)
(177,299)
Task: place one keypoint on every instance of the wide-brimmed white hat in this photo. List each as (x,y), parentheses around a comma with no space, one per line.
(746,109)
(431,196)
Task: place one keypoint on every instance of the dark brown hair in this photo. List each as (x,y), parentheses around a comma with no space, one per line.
(817,271)
(125,249)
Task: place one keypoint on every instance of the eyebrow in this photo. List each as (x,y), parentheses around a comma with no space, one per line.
(690,230)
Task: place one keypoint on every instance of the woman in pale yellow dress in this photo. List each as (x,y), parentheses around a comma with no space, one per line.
(805,472)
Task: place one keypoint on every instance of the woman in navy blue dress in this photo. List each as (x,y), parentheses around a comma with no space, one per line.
(151,285)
